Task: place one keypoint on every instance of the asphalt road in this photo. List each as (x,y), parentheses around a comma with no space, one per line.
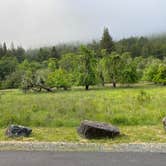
(81,159)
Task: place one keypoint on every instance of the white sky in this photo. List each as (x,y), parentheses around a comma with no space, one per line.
(33,23)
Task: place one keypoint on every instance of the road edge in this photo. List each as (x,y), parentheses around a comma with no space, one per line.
(81,147)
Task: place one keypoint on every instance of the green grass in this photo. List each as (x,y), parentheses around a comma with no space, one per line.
(129,134)
(145,105)
(137,111)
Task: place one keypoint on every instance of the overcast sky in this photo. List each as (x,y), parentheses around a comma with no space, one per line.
(33,23)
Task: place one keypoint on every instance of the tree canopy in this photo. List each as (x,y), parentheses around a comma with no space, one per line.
(126,61)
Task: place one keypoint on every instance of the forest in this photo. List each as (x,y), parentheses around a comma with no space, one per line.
(105,61)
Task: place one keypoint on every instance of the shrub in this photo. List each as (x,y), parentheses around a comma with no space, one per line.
(160,77)
(60,79)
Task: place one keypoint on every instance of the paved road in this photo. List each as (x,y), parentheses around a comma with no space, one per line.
(81,159)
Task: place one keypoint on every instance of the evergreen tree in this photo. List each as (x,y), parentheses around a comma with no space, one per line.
(20,54)
(4,48)
(106,41)
(54,53)
(42,55)
(1,51)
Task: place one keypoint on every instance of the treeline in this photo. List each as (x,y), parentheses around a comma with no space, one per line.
(63,66)
(153,46)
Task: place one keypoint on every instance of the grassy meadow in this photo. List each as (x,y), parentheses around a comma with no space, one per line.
(135,110)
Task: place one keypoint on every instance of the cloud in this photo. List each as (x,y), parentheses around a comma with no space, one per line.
(45,22)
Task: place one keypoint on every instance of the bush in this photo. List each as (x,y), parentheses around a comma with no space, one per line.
(60,79)
(12,81)
(156,72)
(160,77)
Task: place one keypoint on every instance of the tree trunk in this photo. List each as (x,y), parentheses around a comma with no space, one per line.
(65,88)
(86,87)
(46,88)
(43,87)
(102,79)
(103,84)
(114,84)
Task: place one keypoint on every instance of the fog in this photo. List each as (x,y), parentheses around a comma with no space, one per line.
(34,23)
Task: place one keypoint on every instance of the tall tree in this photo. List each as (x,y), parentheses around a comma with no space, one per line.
(43,54)
(4,48)
(1,51)
(20,54)
(107,42)
(112,67)
(54,53)
(128,70)
(101,71)
(87,68)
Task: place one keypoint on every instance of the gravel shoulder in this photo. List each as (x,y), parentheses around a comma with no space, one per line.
(81,147)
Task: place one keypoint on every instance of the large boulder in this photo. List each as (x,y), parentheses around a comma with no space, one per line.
(18,131)
(90,130)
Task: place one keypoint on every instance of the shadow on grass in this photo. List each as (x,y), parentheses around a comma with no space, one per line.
(93,88)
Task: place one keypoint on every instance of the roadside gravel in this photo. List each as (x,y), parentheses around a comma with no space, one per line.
(141,147)
(84,147)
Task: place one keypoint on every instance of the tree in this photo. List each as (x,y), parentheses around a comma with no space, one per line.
(112,67)
(87,68)
(107,42)
(141,64)
(1,51)
(20,54)
(100,71)
(7,66)
(160,77)
(12,81)
(151,71)
(128,70)
(43,54)
(33,77)
(54,53)
(52,64)
(95,45)
(4,49)
(59,79)
(71,63)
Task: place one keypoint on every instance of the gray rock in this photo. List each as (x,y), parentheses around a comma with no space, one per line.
(90,130)
(18,131)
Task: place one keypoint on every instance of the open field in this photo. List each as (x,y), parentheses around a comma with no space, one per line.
(121,106)
(54,116)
